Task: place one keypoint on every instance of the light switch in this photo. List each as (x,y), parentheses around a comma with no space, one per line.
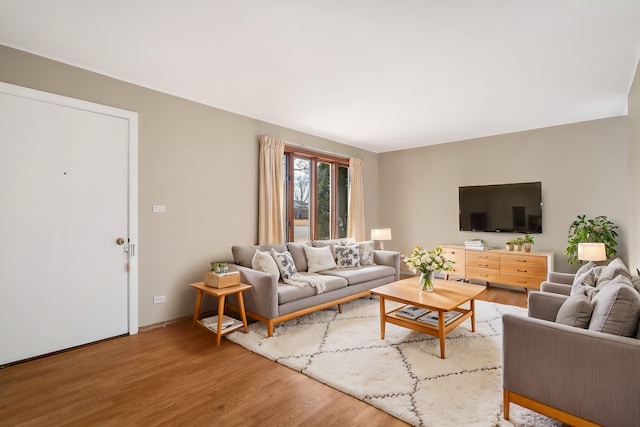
(159,208)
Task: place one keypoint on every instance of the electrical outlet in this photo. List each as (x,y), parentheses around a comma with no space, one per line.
(159,298)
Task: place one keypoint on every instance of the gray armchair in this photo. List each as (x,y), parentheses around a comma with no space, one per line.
(577,376)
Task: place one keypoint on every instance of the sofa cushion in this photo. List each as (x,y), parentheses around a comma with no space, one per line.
(299,257)
(243,254)
(575,311)
(347,256)
(585,276)
(285,264)
(635,281)
(331,243)
(288,293)
(611,271)
(616,308)
(263,261)
(366,252)
(319,259)
(356,275)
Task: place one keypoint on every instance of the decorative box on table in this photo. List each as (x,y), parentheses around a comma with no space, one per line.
(221,280)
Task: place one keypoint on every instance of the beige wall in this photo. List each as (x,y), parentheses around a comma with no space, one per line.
(195,159)
(200,162)
(583,168)
(634,170)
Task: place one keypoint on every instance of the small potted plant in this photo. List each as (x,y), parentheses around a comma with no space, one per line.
(517,244)
(527,241)
(219,267)
(509,244)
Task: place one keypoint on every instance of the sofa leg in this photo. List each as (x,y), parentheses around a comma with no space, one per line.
(505,405)
(269,328)
(339,308)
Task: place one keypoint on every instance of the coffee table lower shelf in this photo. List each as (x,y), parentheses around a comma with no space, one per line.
(426,328)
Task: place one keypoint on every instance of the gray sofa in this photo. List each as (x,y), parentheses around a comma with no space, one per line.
(271,301)
(556,362)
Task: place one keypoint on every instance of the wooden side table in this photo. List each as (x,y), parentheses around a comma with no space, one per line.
(220,293)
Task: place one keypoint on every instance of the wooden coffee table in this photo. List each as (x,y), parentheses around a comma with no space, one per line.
(447,296)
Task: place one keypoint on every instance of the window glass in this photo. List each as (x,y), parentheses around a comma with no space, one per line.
(324,201)
(301,199)
(342,201)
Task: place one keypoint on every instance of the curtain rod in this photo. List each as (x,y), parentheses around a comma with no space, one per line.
(319,150)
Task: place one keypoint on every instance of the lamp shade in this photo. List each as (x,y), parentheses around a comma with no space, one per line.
(381,234)
(591,252)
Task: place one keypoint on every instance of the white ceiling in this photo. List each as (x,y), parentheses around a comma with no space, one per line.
(381,75)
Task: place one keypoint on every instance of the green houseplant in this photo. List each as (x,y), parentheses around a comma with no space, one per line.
(509,244)
(517,243)
(598,229)
(527,242)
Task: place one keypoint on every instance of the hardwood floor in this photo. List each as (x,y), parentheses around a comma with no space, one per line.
(176,376)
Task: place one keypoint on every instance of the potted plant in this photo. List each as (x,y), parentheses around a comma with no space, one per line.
(517,243)
(509,244)
(219,267)
(598,229)
(527,241)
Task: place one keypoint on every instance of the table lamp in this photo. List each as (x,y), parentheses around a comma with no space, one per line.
(381,234)
(591,252)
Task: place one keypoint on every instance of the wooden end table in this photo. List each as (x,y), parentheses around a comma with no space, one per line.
(220,293)
(447,296)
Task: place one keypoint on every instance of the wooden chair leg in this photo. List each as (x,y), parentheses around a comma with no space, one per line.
(505,407)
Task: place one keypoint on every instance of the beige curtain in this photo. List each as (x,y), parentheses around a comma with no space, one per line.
(355,221)
(271,191)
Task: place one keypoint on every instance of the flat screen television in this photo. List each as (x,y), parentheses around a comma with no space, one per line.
(506,208)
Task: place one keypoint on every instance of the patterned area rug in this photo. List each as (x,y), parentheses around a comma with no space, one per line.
(403,374)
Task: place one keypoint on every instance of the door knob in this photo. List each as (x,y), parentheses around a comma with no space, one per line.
(120,241)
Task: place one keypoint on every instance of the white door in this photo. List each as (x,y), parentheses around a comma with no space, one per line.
(64,203)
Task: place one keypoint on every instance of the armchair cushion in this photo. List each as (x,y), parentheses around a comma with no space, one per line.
(575,311)
(611,271)
(586,276)
(616,308)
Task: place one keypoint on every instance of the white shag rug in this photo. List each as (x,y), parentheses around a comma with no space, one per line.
(403,374)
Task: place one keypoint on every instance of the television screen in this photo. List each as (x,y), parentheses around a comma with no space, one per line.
(507,208)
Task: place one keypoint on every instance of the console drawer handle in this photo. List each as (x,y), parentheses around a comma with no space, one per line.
(521,260)
(483,265)
(521,271)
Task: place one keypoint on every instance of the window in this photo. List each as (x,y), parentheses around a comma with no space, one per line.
(317,191)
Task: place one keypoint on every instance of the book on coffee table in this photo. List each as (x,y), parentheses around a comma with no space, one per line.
(412,312)
(431,318)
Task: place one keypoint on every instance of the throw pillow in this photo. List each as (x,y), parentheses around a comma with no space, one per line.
(348,256)
(611,271)
(575,311)
(616,309)
(319,259)
(285,264)
(263,261)
(365,250)
(585,276)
